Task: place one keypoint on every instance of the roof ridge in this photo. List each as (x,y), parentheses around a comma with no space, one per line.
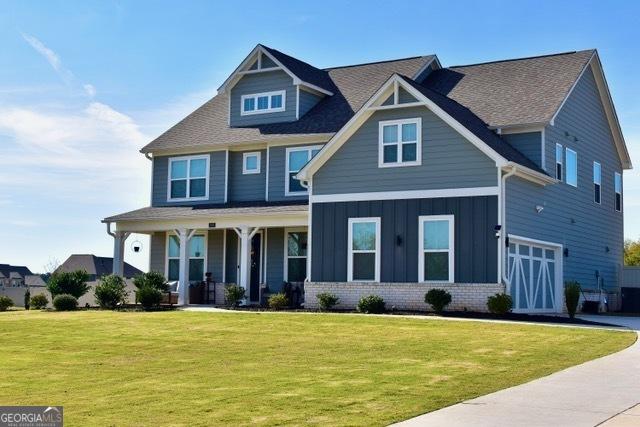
(376,62)
(522,58)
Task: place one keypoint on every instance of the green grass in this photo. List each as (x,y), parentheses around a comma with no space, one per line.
(188,368)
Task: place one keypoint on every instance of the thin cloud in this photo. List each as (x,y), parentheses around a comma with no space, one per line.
(89,89)
(52,58)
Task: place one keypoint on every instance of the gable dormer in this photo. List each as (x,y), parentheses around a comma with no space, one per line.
(272,87)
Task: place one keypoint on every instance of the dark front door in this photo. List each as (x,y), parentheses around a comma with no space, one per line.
(254,284)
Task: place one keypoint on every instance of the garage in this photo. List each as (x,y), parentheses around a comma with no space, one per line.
(535,275)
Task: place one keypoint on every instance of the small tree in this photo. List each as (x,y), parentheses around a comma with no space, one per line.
(111,291)
(233,294)
(152,279)
(571,297)
(438,299)
(27,299)
(70,283)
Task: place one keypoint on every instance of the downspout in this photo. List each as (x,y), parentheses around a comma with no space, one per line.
(503,234)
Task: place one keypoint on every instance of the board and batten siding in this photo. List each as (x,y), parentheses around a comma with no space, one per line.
(475,242)
(258,83)
(275,259)
(529,144)
(249,187)
(217,179)
(592,233)
(448,160)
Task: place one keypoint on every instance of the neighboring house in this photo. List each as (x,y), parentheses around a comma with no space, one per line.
(95,266)
(13,276)
(393,178)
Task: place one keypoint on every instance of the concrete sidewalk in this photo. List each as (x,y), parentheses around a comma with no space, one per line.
(604,390)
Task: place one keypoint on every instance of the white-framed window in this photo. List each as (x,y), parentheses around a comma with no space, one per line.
(197,257)
(559,161)
(597,182)
(265,102)
(617,184)
(251,163)
(399,142)
(436,248)
(188,178)
(363,264)
(295,255)
(296,158)
(572,167)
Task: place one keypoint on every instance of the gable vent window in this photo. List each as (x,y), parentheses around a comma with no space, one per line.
(597,182)
(188,178)
(559,162)
(618,189)
(572,168)
(260,103)
(399,143)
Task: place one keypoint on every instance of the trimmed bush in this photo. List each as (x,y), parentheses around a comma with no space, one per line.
(438,299)
(149,297)
(373,304)
(68,283)
(500,304)
(278,301)
(327,301)
(571,297)
(5,302)
(38,302)
(65,302)
(233,294)
(151,279)
(111,291)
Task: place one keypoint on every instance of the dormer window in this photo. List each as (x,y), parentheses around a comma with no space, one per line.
(260,103)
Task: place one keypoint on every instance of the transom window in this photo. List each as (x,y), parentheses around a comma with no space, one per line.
(597,182)
(196,254)
(572,167)
(364,250)
(617,183)
(295,256)
(436,255)
(260,103)
(399,142)
(251,163)
(296,159)
(188,178)
(559,162)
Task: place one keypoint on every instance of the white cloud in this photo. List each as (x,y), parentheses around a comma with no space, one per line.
(52,58)
(89,89)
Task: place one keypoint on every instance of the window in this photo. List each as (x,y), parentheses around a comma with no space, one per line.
(364,250)
(572,168)
(597,182)
(295,256)
(188,178)
(436,255)
(399,143)
(618,189)
(196,256)
(296,159)
(559,162)
(260,103)
(251,163)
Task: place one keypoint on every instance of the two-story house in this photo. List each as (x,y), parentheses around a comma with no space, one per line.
(393,178)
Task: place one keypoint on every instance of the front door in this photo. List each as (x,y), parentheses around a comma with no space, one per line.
(254,281)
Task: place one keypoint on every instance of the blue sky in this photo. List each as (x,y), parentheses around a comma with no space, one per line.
(85,84)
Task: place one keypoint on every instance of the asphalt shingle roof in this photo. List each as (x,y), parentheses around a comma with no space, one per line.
(95,265)
(21,270)
(305,72)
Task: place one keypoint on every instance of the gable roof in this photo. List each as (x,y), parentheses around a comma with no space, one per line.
(94,265)
(305,72)
(20,270)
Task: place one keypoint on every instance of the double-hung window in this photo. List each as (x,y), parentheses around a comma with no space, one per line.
(559,161)
(251,163)
(572,167)
(295,256)
(260,103)
(195,253)
(399,142)
(296,159)
(436,244)
(188,178)
(617,183)
(597,182)
(363,264)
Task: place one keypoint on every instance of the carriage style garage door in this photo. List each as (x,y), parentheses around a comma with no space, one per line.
(535,275)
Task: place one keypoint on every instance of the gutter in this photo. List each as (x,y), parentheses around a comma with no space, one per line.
(503,213)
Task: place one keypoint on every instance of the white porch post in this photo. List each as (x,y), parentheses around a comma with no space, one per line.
(119,237)
(183,276)
(245,234)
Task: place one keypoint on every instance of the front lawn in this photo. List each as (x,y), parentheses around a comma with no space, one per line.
(189,368)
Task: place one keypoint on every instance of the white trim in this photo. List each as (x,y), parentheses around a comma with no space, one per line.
(285,272)
(566,173)
(597,182)
(258,70)
(395,106)
(399,143)
(616,176)
(309,149)
(269,96)
(559,162)
(266,178)
(542,243)
(297,102)
(573,86)
(188,159)
(410,194)
(226,176)
(309,223)
(350,251)
(543,149)
(258,156)
(450,251)
(266,248)
(194,232)
(224,256)
(427,65)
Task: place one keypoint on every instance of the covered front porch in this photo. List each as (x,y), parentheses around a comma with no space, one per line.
(258,247)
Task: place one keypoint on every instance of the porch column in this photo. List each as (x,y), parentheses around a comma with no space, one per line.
(119,237)
(245,235)
(184,235)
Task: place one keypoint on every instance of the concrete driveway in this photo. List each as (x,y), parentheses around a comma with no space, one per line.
(604,391)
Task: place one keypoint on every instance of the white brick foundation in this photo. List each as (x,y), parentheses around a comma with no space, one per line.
(404,296)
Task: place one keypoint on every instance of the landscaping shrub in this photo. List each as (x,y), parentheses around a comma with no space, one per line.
(278,301)
(27,298)
(438,299)
(571,297)
(69,283)
(327,301)
(65,302)
(233,294)
(111,291)
(149,297)
(38,302)
(151,279)
(500,304)
(5,302)
(371,304)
